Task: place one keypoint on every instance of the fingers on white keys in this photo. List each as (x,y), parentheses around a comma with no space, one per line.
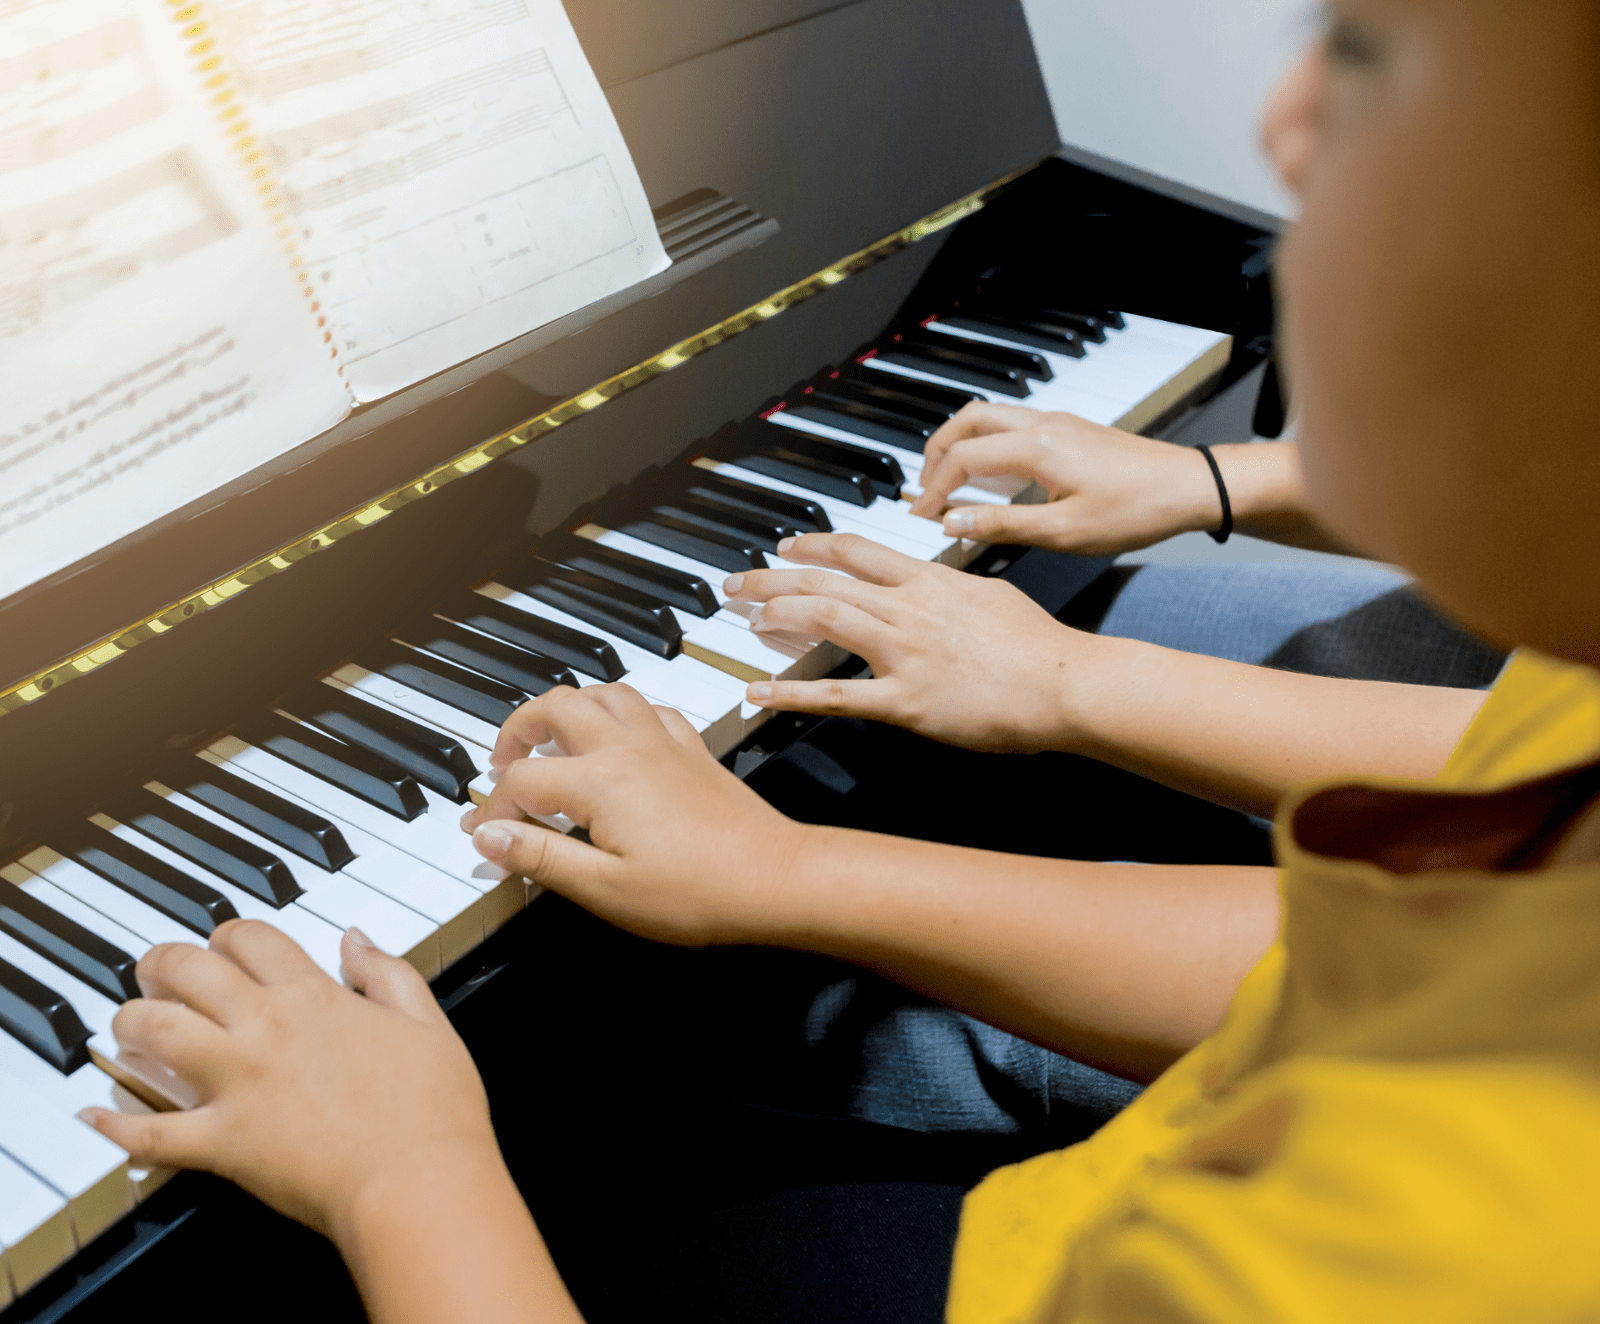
(826,617)
(681,729)
(1047,525)
(978,419)
(853,554)
(201,979)
(387,980)
(1002,454)
(166,1140)
(179,1037)
(563,864)
(765,585)
(265,953)
(829,698)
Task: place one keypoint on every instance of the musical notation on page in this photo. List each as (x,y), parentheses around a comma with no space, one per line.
(128,386)
(453,170)
(222,226)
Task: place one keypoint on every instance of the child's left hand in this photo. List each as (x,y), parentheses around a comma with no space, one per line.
(310,1095)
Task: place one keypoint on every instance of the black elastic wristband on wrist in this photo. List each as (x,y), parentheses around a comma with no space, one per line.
(1222,533)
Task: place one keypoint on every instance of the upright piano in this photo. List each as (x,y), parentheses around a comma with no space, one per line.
(276,702)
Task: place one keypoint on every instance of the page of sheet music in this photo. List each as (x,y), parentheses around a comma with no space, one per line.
(453,166)
(153,342)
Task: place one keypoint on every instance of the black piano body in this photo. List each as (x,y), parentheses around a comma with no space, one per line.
(844,124)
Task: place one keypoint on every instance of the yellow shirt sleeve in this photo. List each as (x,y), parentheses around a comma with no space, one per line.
(1334,1190)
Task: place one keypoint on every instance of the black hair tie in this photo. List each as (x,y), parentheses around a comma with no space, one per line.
(1223,533)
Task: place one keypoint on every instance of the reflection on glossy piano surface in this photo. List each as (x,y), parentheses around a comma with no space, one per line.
(303,756)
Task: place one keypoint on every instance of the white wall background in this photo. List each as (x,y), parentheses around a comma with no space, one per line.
(1171,86)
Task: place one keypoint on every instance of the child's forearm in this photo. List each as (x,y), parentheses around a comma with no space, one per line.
(1242,735)
(1125,967)
(451,1240)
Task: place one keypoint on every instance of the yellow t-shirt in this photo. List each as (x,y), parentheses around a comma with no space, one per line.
(1399,1118)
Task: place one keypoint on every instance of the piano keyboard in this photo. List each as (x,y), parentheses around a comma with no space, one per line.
(341,806)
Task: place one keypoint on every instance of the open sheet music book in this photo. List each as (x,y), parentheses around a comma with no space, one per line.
(224,223)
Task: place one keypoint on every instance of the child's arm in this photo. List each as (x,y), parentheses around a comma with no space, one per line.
(973,662)
(362,1117)
(1122,966)
(1107,491)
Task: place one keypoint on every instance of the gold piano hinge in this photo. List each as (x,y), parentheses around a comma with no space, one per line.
(114,646)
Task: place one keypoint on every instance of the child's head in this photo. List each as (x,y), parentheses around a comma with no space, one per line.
(1442,300)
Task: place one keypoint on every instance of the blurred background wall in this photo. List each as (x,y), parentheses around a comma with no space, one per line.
(1173,87)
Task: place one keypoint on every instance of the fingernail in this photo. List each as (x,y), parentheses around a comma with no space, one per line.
(959,521)
(755,616)
(90,1115)
(492,842)
(732,584)
(469,819)
(359,938)
(758,692)
(784,544)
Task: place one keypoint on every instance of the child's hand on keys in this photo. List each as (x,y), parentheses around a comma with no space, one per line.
(683,851)
(312,1098)
(961,659)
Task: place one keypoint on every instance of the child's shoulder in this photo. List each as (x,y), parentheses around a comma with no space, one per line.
(1542,715)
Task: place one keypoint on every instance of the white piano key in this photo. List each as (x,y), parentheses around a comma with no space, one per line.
(888,522)
(428,900)
(64,903)
(87,1087)
(685,682)
(319,938)
(35,1226)
(1094,407)
(109,899)
(997,494)
(807,659)
(423,839)
(67,1154)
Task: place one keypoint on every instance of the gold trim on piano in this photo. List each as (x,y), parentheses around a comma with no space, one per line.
(114,646)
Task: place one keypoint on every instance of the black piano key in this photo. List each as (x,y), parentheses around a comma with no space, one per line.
(280,821)
(365,775)
(801,512)
(1088,328)
(573,648)
(864,421)
(912,414)
(1024,361)
(79,951)
(243,863)
(883,470)
(153,881)
(467,691)
(1039,335)
(887,388)
(678,588)
(437,760)
(764,530)
(641,620)
(38,1016)
(763,456)
(960,367)
(721,550)
(511,666)
(1091,319)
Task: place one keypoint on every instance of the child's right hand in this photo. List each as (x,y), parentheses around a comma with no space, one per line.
(311,1097)
(1107,491)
